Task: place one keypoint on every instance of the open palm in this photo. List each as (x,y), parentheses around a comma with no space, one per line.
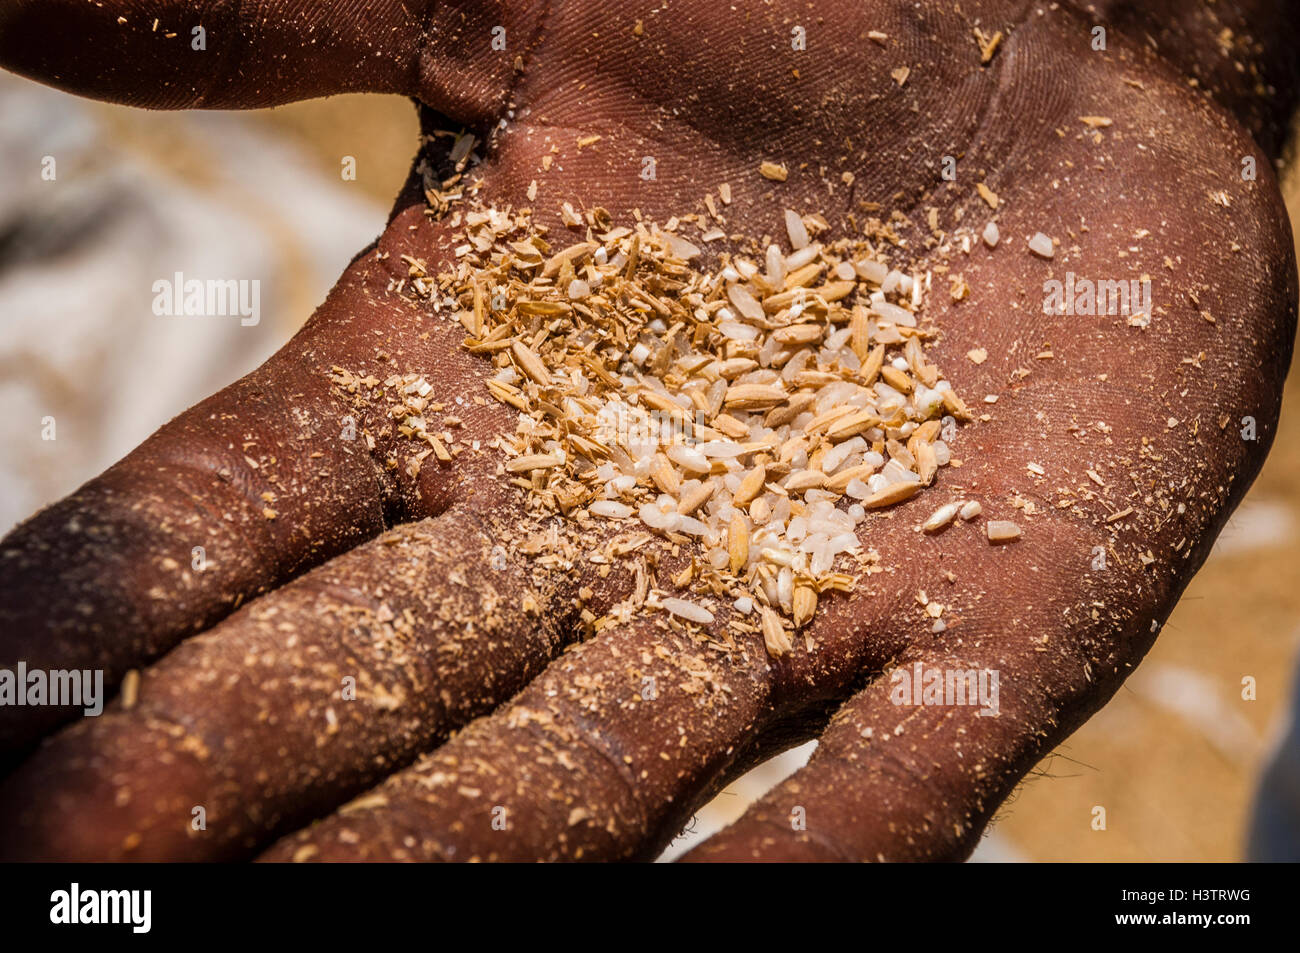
(1115,442)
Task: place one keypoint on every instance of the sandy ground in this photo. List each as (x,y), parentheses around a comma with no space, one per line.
(1173,758)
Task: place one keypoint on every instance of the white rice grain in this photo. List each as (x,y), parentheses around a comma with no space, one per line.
(795,229)
(688,458)
(1041,245)
(687,610)
(1002,531)
(611,509)
(869,269)
(745,303)
(802,257)
(940,518)
(894,314)
(775,267)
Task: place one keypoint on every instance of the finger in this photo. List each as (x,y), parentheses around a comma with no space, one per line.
(913,767)
(297,702)
(889,783)
(564,772)
(241,55)
(277,473)
(603,756)
(178,55)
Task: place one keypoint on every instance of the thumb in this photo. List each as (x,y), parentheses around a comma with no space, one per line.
(176,55)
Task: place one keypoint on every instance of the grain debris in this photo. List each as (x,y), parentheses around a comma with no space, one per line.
(1042,246)
(751,413)
(775,640)
(1002,531)
(940,518)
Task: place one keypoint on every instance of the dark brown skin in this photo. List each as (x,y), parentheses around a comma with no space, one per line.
(247,720)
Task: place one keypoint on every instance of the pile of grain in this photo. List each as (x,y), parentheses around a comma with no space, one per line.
(757,408)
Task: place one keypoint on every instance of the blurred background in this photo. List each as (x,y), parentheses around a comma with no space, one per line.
(1174,758)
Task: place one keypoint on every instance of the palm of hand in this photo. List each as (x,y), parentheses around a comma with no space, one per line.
(438,626)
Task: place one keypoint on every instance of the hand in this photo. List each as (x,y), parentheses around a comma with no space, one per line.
(1136,431)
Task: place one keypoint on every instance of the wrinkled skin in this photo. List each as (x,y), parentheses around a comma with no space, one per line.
(239,706)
